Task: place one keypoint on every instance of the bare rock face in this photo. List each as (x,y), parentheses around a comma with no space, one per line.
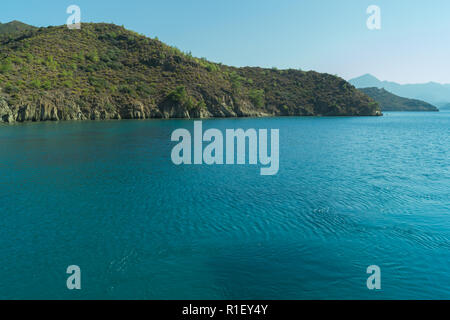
(40,112)
(72,111)
(6,114)
(172,109)
(134,110)
(46,112)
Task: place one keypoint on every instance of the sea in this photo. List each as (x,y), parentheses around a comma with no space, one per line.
(350,193)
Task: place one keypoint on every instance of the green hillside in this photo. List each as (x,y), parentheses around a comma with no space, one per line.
(14,27)
(104,71)
(391,102)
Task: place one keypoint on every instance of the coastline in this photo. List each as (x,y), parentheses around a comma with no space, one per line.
(191,119)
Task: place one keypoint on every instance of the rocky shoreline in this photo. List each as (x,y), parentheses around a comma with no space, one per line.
(71,112)
(68,110)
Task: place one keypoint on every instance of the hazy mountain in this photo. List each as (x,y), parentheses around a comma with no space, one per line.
(392,102)
(14,27)
(431,92)
(445,106)
(104,71)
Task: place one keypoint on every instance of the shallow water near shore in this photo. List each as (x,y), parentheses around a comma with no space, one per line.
(351,192)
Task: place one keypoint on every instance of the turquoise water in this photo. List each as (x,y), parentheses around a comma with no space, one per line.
(351,192)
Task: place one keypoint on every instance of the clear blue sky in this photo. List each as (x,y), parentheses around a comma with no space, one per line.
(324,35)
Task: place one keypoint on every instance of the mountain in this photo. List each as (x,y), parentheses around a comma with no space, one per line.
(444,106)
(366,81)
(392,102)
(104,71)
(14,27)
(431,92)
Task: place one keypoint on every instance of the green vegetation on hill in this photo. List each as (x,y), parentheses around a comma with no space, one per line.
(104,71)
(14,27)
(391,102)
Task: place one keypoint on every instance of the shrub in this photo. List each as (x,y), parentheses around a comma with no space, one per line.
(46,85)
(115,65)
(143,89)
(67,84)
(29,57)
(66,74)
(236,80)
(51,63)
(36,84)
(11,88)
(257,97)
(98,82)
(124,89)
(211,67)
(79,57)
(189,103)
(17,60)
(180,95)
(6,66)
(201,105)
(93,56)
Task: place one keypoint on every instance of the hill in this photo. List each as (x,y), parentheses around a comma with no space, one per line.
(444,106)
(431,92)
(14,27)
(104,71)
(392,102)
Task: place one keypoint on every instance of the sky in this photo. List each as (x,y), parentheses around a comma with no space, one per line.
(412,46)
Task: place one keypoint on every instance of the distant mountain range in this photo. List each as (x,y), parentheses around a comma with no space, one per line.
(431,92)
(392,102)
